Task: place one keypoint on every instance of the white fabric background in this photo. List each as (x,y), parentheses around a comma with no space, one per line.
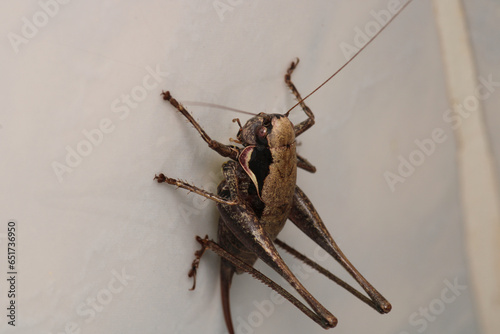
(80,230)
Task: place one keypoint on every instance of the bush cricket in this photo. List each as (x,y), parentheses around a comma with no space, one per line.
(258,195)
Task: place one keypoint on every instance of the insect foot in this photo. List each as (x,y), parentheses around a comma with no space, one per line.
(167,97)
(196,262)
(160,178)
(163,179)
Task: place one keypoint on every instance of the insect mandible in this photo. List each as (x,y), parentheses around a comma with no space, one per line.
(258,195)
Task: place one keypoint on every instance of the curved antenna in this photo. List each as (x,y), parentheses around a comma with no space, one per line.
(206,104)
(355,55)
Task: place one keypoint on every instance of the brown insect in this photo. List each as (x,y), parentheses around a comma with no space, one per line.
(258,195)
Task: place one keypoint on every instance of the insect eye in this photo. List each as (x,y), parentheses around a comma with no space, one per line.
(261,132)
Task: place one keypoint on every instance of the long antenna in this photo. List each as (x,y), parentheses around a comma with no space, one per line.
(206,104)
(355,55)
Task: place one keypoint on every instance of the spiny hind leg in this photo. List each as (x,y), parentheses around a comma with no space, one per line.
(306,218)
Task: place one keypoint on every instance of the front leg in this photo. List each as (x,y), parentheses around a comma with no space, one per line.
(224,150)
(302,126)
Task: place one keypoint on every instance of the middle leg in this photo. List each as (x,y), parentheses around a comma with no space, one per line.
(181,184)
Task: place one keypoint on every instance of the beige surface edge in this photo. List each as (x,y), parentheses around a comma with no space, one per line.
(478,182)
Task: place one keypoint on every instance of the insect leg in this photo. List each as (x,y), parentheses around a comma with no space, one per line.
(181,184)
(304,125)
(325,272)
(224,150)
(243,223)
(305,216)
(196,263)
(304,164)
(227,271)
(245,267)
